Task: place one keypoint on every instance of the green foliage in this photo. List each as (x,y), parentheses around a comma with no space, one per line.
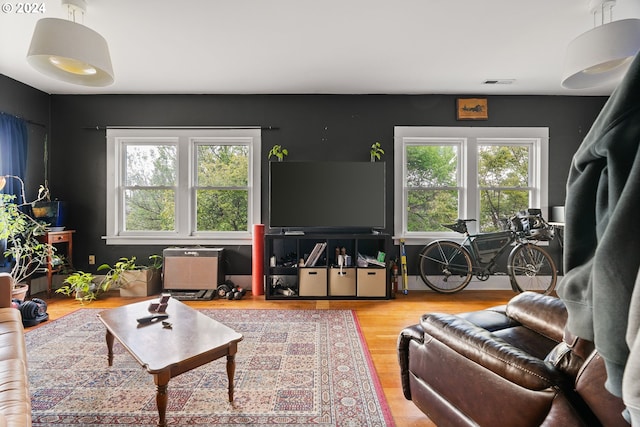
(114,278)
(150,192)
(503,176)
(83,286)
(222,195)
(221,188)
(222,210)
(432,181)
(24,249)
(150,209)
(155,262)
(278,151)
(376,151)
(86,288)
(432,196)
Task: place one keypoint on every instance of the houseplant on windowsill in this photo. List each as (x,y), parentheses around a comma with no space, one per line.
(20,235)
(132,279)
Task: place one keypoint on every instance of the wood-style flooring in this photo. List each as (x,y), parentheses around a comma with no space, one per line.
(381,322)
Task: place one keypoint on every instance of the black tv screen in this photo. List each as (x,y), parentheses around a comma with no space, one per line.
(327,195)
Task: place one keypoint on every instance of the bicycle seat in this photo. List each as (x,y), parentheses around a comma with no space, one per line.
(460,226)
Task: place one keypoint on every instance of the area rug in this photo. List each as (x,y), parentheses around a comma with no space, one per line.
(295,367)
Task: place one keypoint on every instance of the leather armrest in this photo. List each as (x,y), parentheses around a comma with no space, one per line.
(493,353)
(411,333)
(590,385)
(544,314)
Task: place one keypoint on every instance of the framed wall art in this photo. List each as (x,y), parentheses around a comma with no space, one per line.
(472,109)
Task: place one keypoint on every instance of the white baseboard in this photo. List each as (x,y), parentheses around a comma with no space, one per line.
(494,283)
(244,281)
(39,284)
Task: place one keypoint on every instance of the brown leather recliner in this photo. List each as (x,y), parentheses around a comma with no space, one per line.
(511,365)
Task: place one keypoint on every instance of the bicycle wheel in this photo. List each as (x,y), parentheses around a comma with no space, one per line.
(445,266)
(531,268)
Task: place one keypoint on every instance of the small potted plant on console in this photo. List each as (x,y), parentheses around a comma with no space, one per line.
(278,152)
(376,151)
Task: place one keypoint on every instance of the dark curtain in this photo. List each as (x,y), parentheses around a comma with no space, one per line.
(13,160)
(13,150)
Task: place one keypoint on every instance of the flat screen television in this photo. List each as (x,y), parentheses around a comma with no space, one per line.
(332,196)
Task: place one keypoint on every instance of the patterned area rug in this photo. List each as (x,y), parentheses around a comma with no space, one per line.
(296,367)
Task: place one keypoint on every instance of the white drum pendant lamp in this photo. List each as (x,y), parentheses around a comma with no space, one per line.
(71,52)
(602,54)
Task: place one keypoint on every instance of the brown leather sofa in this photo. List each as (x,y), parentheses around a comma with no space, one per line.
(15,400)
(512,365)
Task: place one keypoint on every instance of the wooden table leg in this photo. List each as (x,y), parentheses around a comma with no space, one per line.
(110,347)
(162,384)
(49,271)
(231,370)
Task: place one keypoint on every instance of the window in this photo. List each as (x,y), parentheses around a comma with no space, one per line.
(489,174)
(182,186)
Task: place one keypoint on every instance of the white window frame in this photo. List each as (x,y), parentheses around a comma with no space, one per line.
(185,140)
(468,139)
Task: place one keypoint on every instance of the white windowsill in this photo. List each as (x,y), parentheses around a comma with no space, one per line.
(163,240)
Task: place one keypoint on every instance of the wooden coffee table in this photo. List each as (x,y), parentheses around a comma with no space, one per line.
(193,340)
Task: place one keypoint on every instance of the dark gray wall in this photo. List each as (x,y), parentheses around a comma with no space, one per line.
(311,127)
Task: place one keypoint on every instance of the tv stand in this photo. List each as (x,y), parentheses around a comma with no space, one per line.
(290,274)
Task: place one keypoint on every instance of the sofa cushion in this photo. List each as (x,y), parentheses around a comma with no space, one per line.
(12,344)
(15,402)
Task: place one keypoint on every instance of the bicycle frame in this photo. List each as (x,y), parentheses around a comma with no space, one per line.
(484,258)
(487,247)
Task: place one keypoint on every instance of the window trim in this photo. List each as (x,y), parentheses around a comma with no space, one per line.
(468,137)
(186,140)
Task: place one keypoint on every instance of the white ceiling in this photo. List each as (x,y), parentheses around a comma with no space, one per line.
(321,46)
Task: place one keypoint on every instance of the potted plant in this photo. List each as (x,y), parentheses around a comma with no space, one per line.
(278,152)
(376,151)
(83,286)
(132,279)
(20,234)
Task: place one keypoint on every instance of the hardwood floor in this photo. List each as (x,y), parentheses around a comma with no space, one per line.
(380,320)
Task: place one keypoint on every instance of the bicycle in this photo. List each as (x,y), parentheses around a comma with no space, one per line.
(447,266)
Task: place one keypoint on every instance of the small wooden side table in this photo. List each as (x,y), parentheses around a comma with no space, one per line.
(54,238)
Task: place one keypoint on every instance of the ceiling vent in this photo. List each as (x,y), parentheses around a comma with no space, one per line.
(498,81)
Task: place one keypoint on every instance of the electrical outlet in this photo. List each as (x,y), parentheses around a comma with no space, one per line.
(92,259)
